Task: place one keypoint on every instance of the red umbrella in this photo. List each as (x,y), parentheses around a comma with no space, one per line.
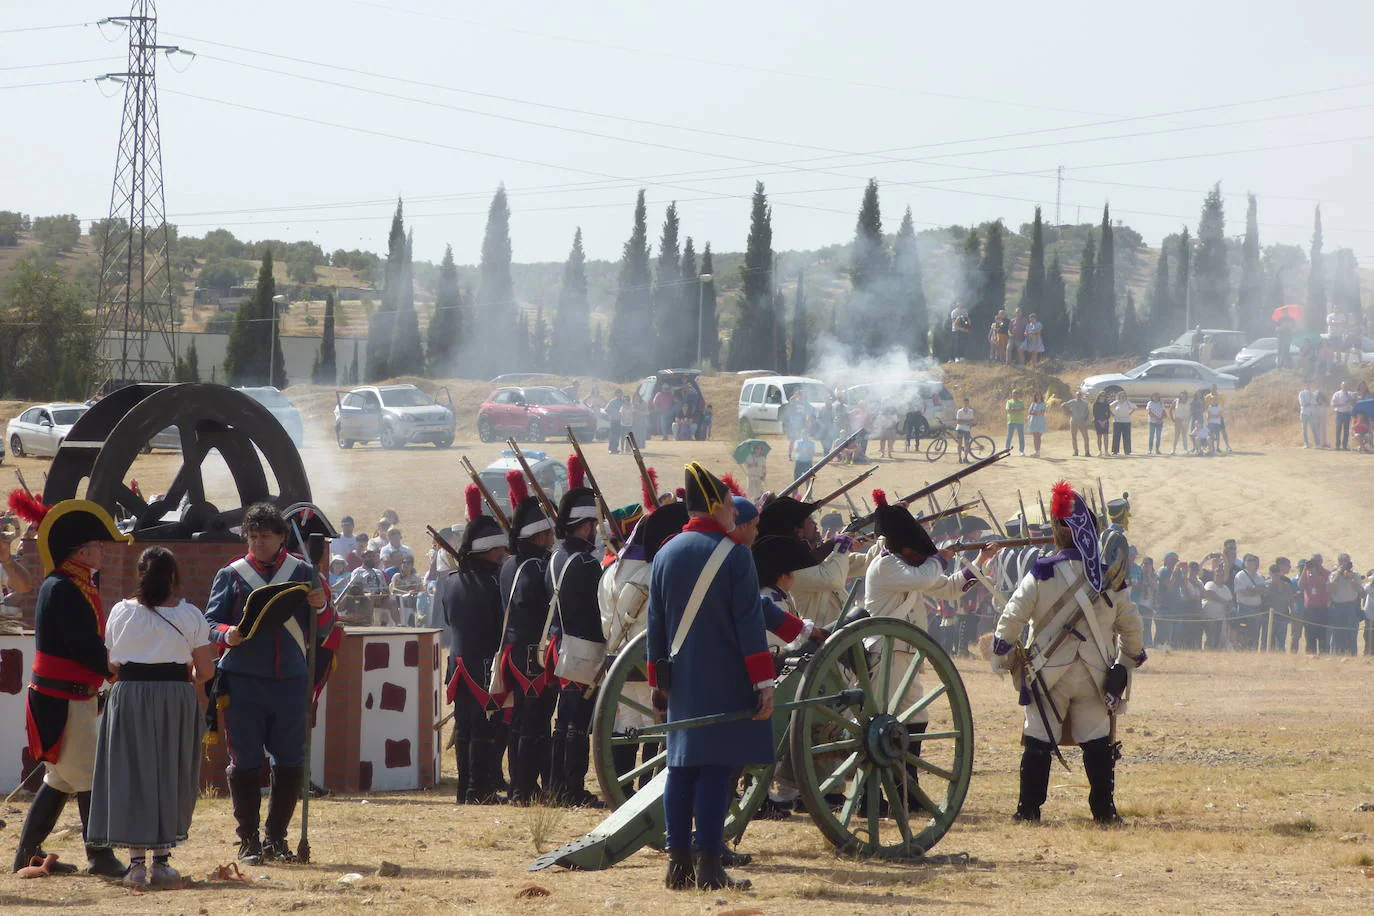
(1295,312)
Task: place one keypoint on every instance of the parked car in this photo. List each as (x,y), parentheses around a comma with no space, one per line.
(531,414)
(933,398)
(1260,347)
(41,429)
(394,415)
(678,382)
(2,451)
(550,472)
(1257,363)
(281,408)
(761,400)
(1226,343)
(1166,377)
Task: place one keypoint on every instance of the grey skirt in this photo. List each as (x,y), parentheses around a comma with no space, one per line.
(147,766)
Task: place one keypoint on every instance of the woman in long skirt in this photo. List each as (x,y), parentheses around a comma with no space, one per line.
(147,767)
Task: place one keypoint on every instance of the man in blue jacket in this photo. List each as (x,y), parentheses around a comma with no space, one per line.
(265,679)
(712,658)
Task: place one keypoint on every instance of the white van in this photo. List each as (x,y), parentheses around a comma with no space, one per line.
(761,400)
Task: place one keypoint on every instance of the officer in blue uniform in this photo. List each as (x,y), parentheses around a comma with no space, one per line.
(265,679)
(722,665)
(469,601)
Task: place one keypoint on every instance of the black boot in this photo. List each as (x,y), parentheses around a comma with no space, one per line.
(462,753)
(711,874)
(100,860)
(681,875)
(485,761)
(245,794)
(44,811)
(576,756)
(281,805)
(552,774)
(1035,779)
(729,858)
(1099,760)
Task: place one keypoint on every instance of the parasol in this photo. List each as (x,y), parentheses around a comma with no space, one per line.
(1294,312)
(746,448)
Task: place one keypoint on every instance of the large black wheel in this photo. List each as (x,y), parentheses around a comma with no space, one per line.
(903,760)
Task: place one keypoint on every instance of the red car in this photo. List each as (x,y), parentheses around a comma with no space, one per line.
(533,413)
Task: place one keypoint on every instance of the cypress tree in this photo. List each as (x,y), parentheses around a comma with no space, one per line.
(799,360)
(407,356)
(249,357)
(381,327)
(495,308)
(445,333)
(1132,340)
(192,362)
(630,348)
(1183,297)
(1033,293)
(1250,312)
(752,345)
(690,303)
(912,325)
(327,370)
(869,278)
(972,270)
(992,296)
(1106,329)
(710,328)
(1162,304)
(1212,281)
(1316,280)
(354,371)
(1054,310)
(539,341)
(670,325)
(572,334)
(1082,325)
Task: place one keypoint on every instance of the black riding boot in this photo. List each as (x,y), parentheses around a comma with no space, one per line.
(681,875)
(281,805)
(462,753)
(551,773)
(485,760)
(711,874)
(245,794)
(1099,760)
(100,860)
(576,760)
(1035,779)
(44,811)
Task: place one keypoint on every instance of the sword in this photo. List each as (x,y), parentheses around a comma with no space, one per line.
(1039,695)
(810,472)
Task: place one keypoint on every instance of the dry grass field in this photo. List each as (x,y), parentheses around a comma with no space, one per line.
(1240,771)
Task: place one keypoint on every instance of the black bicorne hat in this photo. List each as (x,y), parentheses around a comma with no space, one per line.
(576,506)
(775,556)
(661,524)
(272,606)
(899,528)
(704,491)
(65,526)
(783,516)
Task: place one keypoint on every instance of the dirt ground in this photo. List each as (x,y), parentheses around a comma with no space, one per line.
(1239,779)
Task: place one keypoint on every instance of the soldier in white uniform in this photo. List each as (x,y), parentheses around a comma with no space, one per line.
(818,592)
(1075,666)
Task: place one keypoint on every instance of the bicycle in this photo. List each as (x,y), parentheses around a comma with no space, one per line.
(979,447)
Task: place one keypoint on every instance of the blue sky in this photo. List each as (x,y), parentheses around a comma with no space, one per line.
(961,111)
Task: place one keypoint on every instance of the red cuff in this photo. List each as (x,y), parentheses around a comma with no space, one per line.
(760,667)
(653,675)
(790,628)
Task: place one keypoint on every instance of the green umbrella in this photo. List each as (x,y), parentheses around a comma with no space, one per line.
(746,448)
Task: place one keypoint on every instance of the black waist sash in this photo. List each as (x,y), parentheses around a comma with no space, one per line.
(164,671)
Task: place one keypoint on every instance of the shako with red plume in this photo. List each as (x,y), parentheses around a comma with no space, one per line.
(577,472)
(483,532)
(579,503)
(473,497)
(527,516)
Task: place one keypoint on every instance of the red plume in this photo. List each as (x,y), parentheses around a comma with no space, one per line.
(473,496)
(519,490)
(650,502)
(1061,500)
(681,494)
(577,473)
(732,484)
(879,499)
(27,506)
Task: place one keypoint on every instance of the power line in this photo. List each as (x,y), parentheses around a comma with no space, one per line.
(44,28)
(49,83)
(64,63)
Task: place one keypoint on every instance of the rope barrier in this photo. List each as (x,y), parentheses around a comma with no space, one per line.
(1231,617)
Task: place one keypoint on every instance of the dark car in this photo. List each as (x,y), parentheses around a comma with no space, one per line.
(677,382)
(1247,368)
(531,414)
(1225,343)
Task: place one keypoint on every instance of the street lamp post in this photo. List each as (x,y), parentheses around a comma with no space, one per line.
(702,280)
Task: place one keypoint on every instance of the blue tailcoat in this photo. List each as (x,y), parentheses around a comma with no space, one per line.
(709,674)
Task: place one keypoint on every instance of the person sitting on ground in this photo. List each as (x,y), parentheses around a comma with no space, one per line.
(406,586)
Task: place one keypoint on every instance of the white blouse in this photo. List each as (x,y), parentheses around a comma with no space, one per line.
(135,633)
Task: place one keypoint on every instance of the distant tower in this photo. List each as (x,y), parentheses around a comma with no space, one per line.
(136,307)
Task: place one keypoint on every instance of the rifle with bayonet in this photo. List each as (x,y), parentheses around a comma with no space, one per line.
(492,504)
(649,486)
(907,500)
(615,534)
(844,488)
(810,472)
(545,503)
(1004,543)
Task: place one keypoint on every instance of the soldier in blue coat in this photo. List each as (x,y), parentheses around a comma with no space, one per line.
(721,665)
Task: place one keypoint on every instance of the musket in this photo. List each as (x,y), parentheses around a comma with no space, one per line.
(442,544)
(945,513)
(1102,497)
(596,490)
(931,488)
(492,504)
(997,524)
(1005,543)
(810,472)
(1044,516)
(844,488)
(544,502)
(1025,519)
(649,486)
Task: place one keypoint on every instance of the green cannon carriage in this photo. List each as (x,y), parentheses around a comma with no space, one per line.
(846,732)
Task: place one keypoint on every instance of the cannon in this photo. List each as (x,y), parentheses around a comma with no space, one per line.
(102,446)
(845,721)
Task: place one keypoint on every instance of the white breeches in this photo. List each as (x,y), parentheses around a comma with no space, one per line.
(1078,697)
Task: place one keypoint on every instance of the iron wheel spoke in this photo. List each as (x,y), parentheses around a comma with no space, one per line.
(839,719)
(904,685)
(851,798)
(873,799)
(831,747)
(923,764)
(840,775)
(905,716)
(925,801)
(865,682)
(886,650)
(635,705)
(896,805)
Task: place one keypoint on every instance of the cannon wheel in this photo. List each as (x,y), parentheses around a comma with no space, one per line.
(628,670)
(867,754)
